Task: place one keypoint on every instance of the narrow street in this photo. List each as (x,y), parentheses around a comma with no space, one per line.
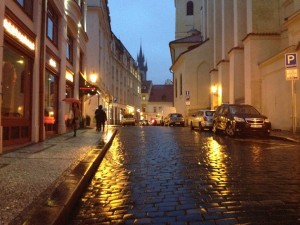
(171,175)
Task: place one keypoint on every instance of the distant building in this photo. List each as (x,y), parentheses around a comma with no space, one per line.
(157,100)
(142,65)
(160,102)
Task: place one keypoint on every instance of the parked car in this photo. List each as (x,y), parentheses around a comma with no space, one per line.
(240,119)
(153,122)
(174,119)
(202,119)
(128,119)
(144,123)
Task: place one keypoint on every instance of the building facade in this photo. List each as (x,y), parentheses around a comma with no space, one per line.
(52,50)
(126,83)
(240,57)
(43,49)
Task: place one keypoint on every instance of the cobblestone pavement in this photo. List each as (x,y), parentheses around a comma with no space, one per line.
(35,170)
(170,176)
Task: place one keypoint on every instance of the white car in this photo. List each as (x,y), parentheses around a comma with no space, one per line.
(128,119)
(202,119)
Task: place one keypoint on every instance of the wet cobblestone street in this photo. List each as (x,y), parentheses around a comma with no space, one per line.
(166,175)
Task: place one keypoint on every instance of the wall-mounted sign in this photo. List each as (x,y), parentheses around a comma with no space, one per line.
(11,29)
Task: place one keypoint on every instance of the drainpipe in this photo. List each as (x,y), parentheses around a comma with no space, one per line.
(2,9)
(42,72)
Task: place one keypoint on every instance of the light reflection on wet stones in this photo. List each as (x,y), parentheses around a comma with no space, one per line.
(157,175)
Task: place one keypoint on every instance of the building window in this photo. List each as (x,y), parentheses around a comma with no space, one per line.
(16,84)
(81,63)
(52,25)
(180,83)
(175,86)
(69,49)
(51,96)
(154,109)
(189,8)
(27,6)
(16,96)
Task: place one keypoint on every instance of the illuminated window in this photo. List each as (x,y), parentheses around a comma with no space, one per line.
(27,6)
(190,8)
(52,25)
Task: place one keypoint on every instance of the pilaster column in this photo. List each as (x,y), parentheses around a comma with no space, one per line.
(62,76)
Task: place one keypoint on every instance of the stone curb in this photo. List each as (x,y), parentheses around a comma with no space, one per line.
(284,138)
(58,206)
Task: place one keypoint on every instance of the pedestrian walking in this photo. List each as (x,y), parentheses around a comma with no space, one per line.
(76,117)
(101,117)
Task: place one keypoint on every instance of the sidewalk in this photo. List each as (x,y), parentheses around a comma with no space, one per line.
(48,175)
(286,135)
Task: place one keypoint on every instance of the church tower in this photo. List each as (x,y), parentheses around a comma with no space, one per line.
(142,65)
(189,17)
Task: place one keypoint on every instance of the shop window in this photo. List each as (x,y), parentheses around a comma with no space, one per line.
(69,49)
(51,96)
(52,25)
(68,108)
(27,6)
(15,82)
(189,8)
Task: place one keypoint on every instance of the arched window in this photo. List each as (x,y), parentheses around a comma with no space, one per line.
(189,8)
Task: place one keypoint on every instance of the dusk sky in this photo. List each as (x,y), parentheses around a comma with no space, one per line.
(150,24)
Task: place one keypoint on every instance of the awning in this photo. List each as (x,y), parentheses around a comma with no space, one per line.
(86,88)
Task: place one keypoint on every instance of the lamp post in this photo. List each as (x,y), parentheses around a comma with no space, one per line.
(93,79)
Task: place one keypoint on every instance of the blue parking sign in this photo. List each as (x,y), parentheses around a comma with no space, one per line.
(290,60)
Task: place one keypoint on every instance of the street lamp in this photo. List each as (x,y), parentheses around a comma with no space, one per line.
(93,77)
(214,89)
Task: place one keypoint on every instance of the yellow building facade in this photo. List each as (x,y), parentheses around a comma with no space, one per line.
(240,57)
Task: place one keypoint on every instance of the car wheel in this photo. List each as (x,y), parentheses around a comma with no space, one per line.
(229,130)
(192,128)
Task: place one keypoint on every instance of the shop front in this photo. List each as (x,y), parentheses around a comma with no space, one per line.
(51,94)
(17,69)
(69,94)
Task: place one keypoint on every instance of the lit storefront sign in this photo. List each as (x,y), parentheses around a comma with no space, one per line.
(17,34)
(69,76)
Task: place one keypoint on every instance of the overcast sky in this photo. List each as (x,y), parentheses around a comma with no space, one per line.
(150,23)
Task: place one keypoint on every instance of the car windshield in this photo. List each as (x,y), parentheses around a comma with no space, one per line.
(243,109)
(176,115)
(209,113)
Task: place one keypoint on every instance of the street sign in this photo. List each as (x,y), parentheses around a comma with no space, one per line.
(290,60)
(291,74)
